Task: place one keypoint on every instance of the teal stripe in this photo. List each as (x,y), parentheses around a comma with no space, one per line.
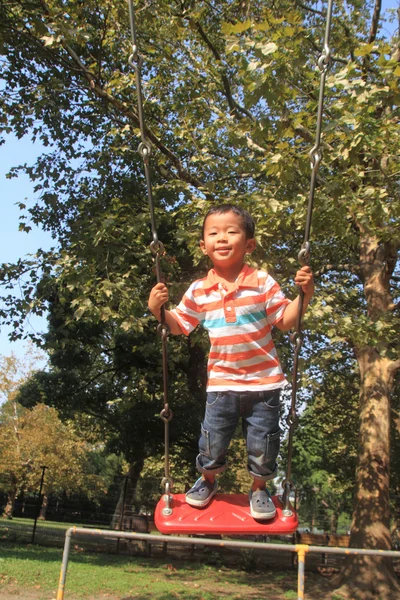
(241,320)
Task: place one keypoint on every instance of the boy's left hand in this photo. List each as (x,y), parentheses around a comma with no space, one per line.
(305,279)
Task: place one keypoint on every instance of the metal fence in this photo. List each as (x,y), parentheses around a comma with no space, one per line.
(119,511)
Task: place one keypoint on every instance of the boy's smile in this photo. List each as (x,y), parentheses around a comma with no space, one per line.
(225,242)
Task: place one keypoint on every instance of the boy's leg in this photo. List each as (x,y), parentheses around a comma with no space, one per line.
(219,424)
(262,433)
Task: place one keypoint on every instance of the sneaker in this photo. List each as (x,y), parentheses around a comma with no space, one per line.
(261,505)
(201,493)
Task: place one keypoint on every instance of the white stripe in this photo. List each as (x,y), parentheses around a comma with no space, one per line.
(249,387)
(253,360)
(268,372)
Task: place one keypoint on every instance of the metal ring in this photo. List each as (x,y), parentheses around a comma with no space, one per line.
(297,339)
(157,247)
(325,61)
(132,63)
(304,254)
(166,483)
(291,420)
(286,483)
(166,416)
(163,330)
(144,149)
(315,157)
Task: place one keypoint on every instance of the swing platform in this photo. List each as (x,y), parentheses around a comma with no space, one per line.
(227,514)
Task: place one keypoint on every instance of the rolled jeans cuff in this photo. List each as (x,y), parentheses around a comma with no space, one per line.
(264,477)
(213,471)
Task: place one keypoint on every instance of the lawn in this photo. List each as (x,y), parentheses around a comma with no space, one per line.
(32,573)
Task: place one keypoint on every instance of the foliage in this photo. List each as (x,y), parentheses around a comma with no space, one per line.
(230,96)
(35,438)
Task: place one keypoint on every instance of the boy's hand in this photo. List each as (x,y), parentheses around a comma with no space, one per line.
(305,279)
(158,297)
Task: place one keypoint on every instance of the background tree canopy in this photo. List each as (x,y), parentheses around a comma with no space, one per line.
(230,94)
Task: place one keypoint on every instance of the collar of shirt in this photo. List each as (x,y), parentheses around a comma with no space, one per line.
(247,278)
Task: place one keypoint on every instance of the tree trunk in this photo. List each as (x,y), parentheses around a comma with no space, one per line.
(127,494)
(9,508)
(43,508)
(334,522)
(364,577)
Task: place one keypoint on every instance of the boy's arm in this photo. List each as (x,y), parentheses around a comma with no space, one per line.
(158,297)
(305,279)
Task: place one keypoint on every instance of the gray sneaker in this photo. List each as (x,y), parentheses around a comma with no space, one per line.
(201,493)
(261,505)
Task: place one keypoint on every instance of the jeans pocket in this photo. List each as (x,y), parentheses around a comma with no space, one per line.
(272,400)
(212,398)
(273,445)
(204,442)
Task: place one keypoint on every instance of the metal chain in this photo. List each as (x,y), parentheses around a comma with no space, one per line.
(157,248)
(324,63)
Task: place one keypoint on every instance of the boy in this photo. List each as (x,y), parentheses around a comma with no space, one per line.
(238,305)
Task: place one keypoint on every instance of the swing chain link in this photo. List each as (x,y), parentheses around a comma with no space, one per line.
(324,62)
(135,60)
(304,254)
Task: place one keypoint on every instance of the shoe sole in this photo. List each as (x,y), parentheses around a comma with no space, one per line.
(201,503)
(262,516)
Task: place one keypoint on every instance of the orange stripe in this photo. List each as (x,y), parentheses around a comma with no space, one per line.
(245,370)
(182,317)
(248,300)
(200,291)
(217,305)
(189,304)
(229,383)
(244,355)
(272,291)
(244,338)
(277,306)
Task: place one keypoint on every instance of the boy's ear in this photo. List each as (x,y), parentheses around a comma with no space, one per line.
(203,247)
(250,245)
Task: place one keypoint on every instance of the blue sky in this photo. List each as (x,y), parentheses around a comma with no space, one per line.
(15,244)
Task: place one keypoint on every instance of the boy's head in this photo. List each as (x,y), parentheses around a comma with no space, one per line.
(247,220)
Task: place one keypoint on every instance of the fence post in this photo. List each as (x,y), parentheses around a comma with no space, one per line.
(39,504)
(122,515)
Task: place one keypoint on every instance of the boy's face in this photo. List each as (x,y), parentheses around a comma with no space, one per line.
(225,240)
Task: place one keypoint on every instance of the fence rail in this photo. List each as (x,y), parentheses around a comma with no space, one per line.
(300,549)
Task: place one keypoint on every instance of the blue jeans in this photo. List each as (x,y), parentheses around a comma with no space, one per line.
(260,424)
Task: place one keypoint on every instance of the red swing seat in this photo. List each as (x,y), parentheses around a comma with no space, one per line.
(227,514)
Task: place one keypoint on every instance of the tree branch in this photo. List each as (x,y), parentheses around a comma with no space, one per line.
(121,107)
(233,105)
(330,267)
(375,21)
(393,367)
(373,30)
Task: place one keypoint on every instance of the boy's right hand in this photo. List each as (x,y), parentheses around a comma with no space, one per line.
(158,297)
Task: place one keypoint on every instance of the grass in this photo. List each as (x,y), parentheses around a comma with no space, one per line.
(35,571)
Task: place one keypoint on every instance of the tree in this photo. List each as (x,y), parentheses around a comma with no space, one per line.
(230,98)
(33,438)
(325,444)
(13,464)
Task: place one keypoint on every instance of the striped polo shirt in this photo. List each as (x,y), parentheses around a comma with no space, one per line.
(242,356)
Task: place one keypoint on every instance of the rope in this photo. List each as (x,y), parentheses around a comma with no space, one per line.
(324,63)
(157,248)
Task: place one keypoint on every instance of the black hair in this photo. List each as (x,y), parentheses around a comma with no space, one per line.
(247,220)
